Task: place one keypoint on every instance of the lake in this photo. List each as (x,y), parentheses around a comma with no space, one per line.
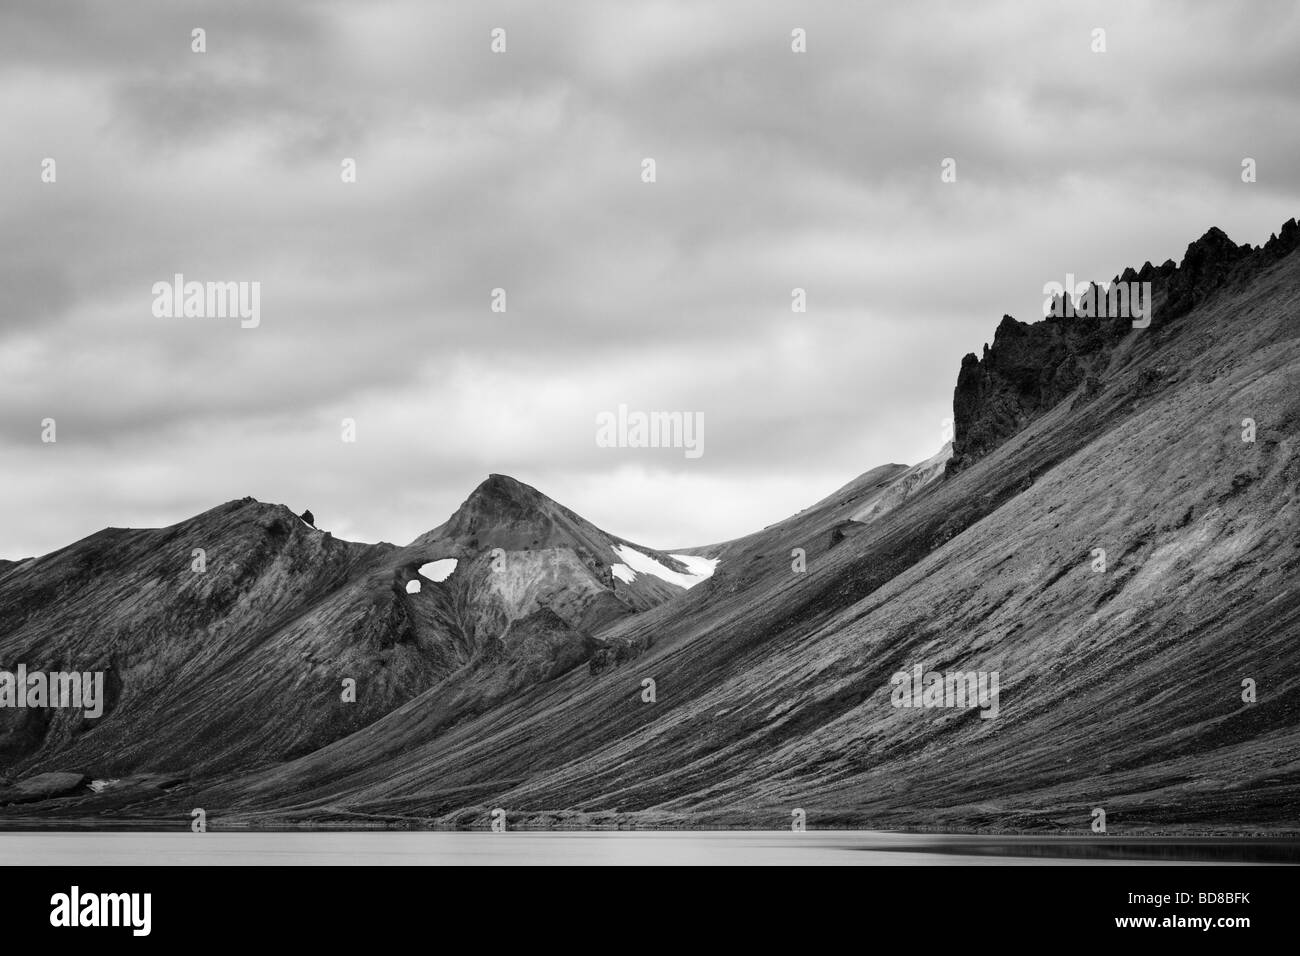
(435,848)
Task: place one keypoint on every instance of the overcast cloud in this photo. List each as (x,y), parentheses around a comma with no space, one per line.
(522,171)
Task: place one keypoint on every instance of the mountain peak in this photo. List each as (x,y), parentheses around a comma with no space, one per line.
(504,512)
(499,499)
(505,488)
(1214,246)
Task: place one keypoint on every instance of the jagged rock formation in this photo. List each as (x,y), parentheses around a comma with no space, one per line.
(1030,368)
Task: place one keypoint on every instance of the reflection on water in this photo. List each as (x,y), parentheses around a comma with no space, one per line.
(1136,850)
(834,848)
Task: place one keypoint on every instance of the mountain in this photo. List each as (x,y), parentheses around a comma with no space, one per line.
(1126,679)
(242,661)
(202,669)
(550,550)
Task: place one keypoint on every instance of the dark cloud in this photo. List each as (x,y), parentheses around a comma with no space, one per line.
(521,171)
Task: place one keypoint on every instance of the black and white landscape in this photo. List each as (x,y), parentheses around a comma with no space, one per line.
(387,264)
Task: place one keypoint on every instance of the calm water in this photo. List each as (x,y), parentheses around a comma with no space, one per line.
(835,848)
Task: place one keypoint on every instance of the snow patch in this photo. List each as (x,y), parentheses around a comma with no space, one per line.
(623,573)
(439,570)
(700,569)
(412,587)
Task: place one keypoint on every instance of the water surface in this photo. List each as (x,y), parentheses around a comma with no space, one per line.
(434,848)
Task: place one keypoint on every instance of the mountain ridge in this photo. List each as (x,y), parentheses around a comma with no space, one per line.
(1032,366)
(1122,687)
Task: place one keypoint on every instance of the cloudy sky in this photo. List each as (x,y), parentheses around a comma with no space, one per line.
(522,171)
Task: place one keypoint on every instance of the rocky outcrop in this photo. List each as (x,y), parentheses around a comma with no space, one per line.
(843,531)
(1031,368)
(1026,372)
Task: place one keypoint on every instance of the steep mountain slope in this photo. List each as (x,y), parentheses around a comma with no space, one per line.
(1121,689)
(205,663)
(1121,685)
(904,487)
